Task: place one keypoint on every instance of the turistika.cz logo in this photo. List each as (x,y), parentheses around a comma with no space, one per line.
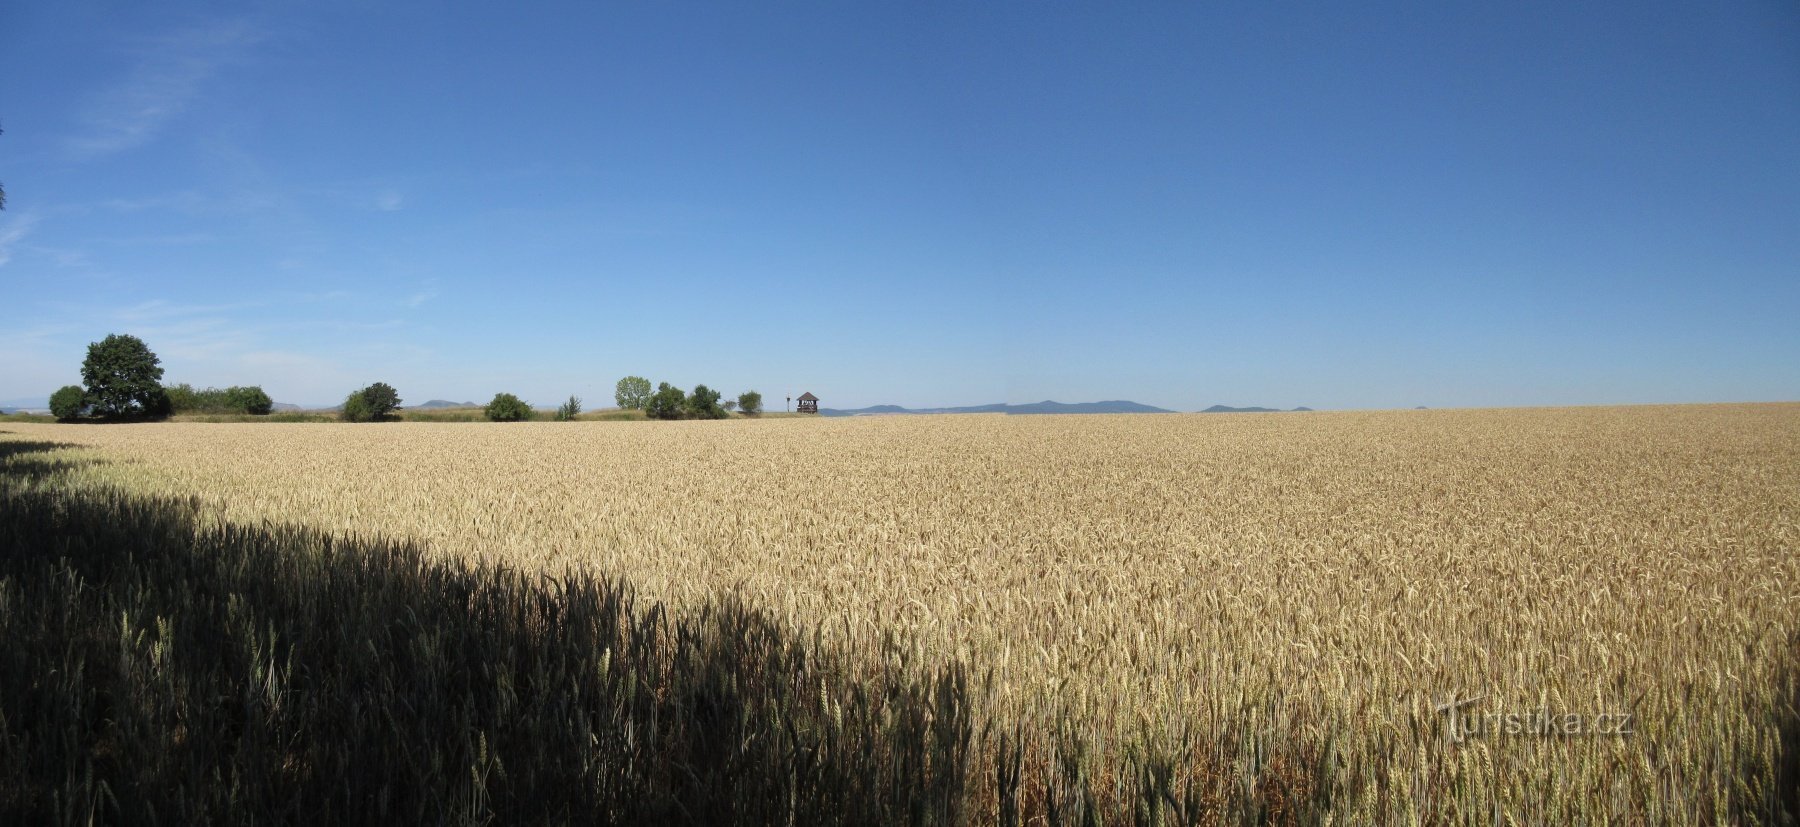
(1466,721)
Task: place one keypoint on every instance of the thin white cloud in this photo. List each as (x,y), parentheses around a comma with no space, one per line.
(165,81)
(14,231)
(389,201)
(425,293)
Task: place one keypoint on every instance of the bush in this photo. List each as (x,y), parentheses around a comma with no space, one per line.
(703,403)
(373,403)
(123,378)
(250,400)
(507,408)
(67,403)
(632,392)
(233,400)
(183,398)
(667,403)
(750,402)
(569,409)
(356,408)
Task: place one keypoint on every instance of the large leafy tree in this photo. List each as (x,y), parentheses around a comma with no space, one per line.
(632,392)
(750,402)
(123,378)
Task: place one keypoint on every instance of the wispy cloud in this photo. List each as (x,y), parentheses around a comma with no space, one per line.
(389,201)
(14,231)
(425,293)
(166,80)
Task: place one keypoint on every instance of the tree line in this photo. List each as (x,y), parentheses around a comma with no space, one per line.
(669,402)
(122,380)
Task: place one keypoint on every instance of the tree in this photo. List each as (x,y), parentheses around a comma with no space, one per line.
(667,403)
(703,403)
(124,378)
(750,402)
(567,411)
(382,399)
(633,392)
(507,408)
(729,405)
(372,403)
(67,403)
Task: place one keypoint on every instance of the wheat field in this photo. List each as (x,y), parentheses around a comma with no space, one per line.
(1244,587)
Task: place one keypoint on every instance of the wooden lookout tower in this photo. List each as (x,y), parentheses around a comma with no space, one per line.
(808,403)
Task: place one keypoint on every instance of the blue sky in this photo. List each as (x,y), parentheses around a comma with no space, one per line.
(1341,205)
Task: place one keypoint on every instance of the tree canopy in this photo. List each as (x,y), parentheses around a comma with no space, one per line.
(667,403)
(632,392)
(123,378)
(372,403)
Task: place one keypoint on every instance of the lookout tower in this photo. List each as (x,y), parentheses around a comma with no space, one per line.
(808,403)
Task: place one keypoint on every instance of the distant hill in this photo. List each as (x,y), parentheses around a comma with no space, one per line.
(25,404)
(444,403)
(285,406)
(1044,407)
(1229,409)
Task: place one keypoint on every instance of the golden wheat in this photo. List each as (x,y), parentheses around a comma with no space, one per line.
(1325,576)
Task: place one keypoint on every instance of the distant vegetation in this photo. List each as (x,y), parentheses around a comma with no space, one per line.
(507,408)
(123,379)
(667,403)
(567,411)
(633,392)
(233,400)
(123,382)
(374,403)
(68,403)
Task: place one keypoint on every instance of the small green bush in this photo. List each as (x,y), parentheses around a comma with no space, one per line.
(507,408)
(68,402)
